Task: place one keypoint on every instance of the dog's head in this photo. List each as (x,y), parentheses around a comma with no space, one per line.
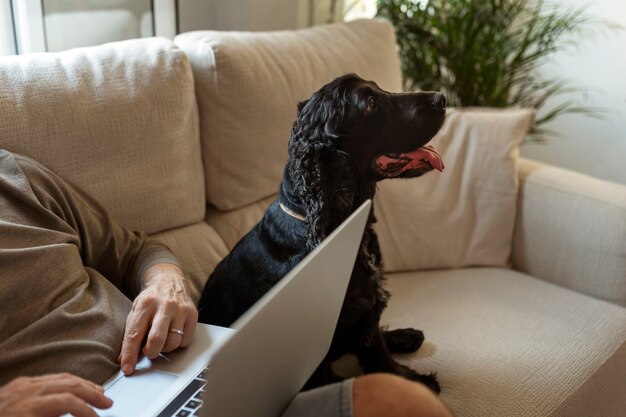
(351,134)
(384,135)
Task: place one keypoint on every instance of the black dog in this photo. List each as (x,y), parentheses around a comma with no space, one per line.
(347,136)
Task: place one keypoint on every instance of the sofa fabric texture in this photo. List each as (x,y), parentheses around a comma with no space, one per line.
(249,84)
(199,248)
(543,339)
(232,225)
(507,344)
(571,230)
(119,120)
(463,216)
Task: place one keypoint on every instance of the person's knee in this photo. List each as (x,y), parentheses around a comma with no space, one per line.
(377,395)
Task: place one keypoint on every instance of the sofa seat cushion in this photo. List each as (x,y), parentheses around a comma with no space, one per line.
(232,225)
(506,344)
(199,249)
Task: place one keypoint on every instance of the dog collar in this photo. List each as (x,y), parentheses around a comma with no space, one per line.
(292,213)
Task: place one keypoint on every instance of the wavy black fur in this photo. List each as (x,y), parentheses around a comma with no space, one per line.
(338,134)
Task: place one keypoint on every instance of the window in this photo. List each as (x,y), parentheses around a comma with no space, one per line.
(56,25)
(358,9)
(7,32)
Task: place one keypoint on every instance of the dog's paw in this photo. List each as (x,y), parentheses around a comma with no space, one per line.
(429,380)
(403,340)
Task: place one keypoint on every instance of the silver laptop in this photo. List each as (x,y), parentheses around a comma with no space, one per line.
(257,367)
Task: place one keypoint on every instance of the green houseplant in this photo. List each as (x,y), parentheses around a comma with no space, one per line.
(486,52)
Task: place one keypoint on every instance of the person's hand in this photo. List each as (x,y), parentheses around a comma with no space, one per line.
(51,396)
(163,313)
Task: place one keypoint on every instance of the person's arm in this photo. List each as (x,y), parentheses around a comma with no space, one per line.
(163,314)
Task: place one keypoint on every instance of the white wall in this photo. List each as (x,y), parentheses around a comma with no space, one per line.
(592,146)
(255,15)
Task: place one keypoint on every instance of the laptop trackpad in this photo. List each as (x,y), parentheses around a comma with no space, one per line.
(137,393)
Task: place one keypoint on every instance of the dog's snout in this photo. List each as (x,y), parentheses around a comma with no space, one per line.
(439,100)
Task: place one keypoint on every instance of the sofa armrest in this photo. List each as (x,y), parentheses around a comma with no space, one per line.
(571,230)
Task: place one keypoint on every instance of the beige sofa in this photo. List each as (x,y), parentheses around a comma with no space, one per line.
(515,270)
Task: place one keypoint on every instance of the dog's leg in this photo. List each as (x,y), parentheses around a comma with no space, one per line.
(403,340)
(376,358)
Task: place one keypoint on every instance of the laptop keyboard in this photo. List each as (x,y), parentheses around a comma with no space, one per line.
(188,401)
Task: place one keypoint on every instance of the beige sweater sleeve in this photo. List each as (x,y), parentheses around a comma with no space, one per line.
(67,271)
(122,256)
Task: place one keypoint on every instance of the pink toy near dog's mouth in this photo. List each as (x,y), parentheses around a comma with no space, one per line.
(424,158)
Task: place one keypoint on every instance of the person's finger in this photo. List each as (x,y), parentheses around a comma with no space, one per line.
(157,336)
(136,328)
(81,388)
(189,328)
(174,338)
(186,322)
(55,405)
(65,375)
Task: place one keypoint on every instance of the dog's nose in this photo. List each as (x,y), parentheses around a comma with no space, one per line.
(439,100)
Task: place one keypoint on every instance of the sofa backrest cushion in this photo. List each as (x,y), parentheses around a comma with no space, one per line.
(248,86)
(465,215)
(118,120)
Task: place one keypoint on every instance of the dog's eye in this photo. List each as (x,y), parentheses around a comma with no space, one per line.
(371,104)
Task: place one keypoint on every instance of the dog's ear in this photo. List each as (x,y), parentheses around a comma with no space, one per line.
(318,168)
